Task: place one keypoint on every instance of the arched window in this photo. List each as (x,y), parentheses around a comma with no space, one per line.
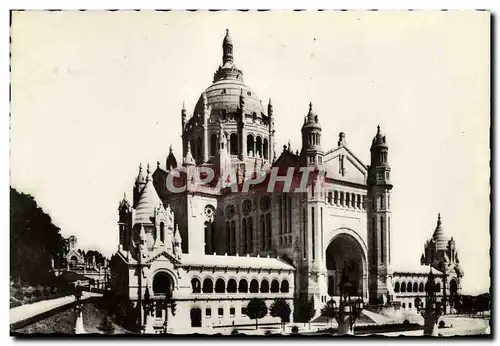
(233,144)
(347,199)
(258,148)
(199,149)
(426,286)
(285,286)
(231,286)
(359,202)
(250,234)
(208,286)
(262,233)
(196,285)
(250,146)
(243,287)
(212,237)
(408,287)
(415,287)
(403,287)
(254,286)
(220,286)
(268,231)
(224,112)
(438,287)
(266,149)
(396,287)
(213,145)
(207,238)
(162,232)
(233,237)
(275,286)
(244,235)
(228,237)
(421,287)
(264,286)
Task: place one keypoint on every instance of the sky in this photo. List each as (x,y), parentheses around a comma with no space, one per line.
(95,93)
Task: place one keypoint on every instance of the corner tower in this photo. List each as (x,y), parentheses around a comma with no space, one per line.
(379,221)
(311,153)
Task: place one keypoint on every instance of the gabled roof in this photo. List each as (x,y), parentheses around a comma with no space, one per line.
(332,152)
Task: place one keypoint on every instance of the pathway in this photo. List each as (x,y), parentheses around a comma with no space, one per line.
(23,312)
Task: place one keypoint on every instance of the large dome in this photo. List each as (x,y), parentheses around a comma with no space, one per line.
(224,97)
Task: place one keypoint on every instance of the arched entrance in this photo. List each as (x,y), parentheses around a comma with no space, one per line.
(163,285)
(344,257)
(196,317)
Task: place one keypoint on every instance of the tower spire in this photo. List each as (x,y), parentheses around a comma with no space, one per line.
(227,49)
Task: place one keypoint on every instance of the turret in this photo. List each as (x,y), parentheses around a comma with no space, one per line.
(311,153)
(379,168)
(227,49)
(379,220)
(171,160)
(183,116)
(140,181)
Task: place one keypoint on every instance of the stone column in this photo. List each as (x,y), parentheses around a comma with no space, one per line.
(205,143)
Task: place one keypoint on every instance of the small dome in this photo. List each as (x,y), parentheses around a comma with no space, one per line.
(379,139)
(439,236)
(227,39)
(223,97)
(124,203)
(147,203)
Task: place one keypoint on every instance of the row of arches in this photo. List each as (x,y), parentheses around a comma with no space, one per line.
(256,146)
(239,287)
(414,287)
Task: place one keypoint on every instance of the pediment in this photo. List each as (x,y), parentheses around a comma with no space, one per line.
(342,164)
(163,256)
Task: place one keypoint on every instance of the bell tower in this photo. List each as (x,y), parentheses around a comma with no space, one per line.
(312,153)
(379,220)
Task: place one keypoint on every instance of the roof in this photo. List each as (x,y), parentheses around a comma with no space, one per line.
(438,236)
(414,269)
(235,262)
(146,204)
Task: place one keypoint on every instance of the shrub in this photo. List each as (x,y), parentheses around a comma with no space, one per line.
(406,323)
(268,332)
(28,294)
(14,303)
(234,332)
(53,290)
(45,291)
(295,329)
(441,324)
(37,293)
(16,285)
(19,295)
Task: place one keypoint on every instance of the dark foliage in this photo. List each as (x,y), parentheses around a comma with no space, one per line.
(280,308)
(295,329)
(256,309)
(34,240)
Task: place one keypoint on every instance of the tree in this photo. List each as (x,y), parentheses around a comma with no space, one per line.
(34,240)
(329,311)
(308,311)
(280,308)
(256,309)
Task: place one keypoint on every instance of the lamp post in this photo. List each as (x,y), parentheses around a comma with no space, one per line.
(433,308)
(78,310)
(348,310)
(148,308)
(168,303)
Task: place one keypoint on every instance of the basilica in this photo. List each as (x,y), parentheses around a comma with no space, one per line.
(207,243)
